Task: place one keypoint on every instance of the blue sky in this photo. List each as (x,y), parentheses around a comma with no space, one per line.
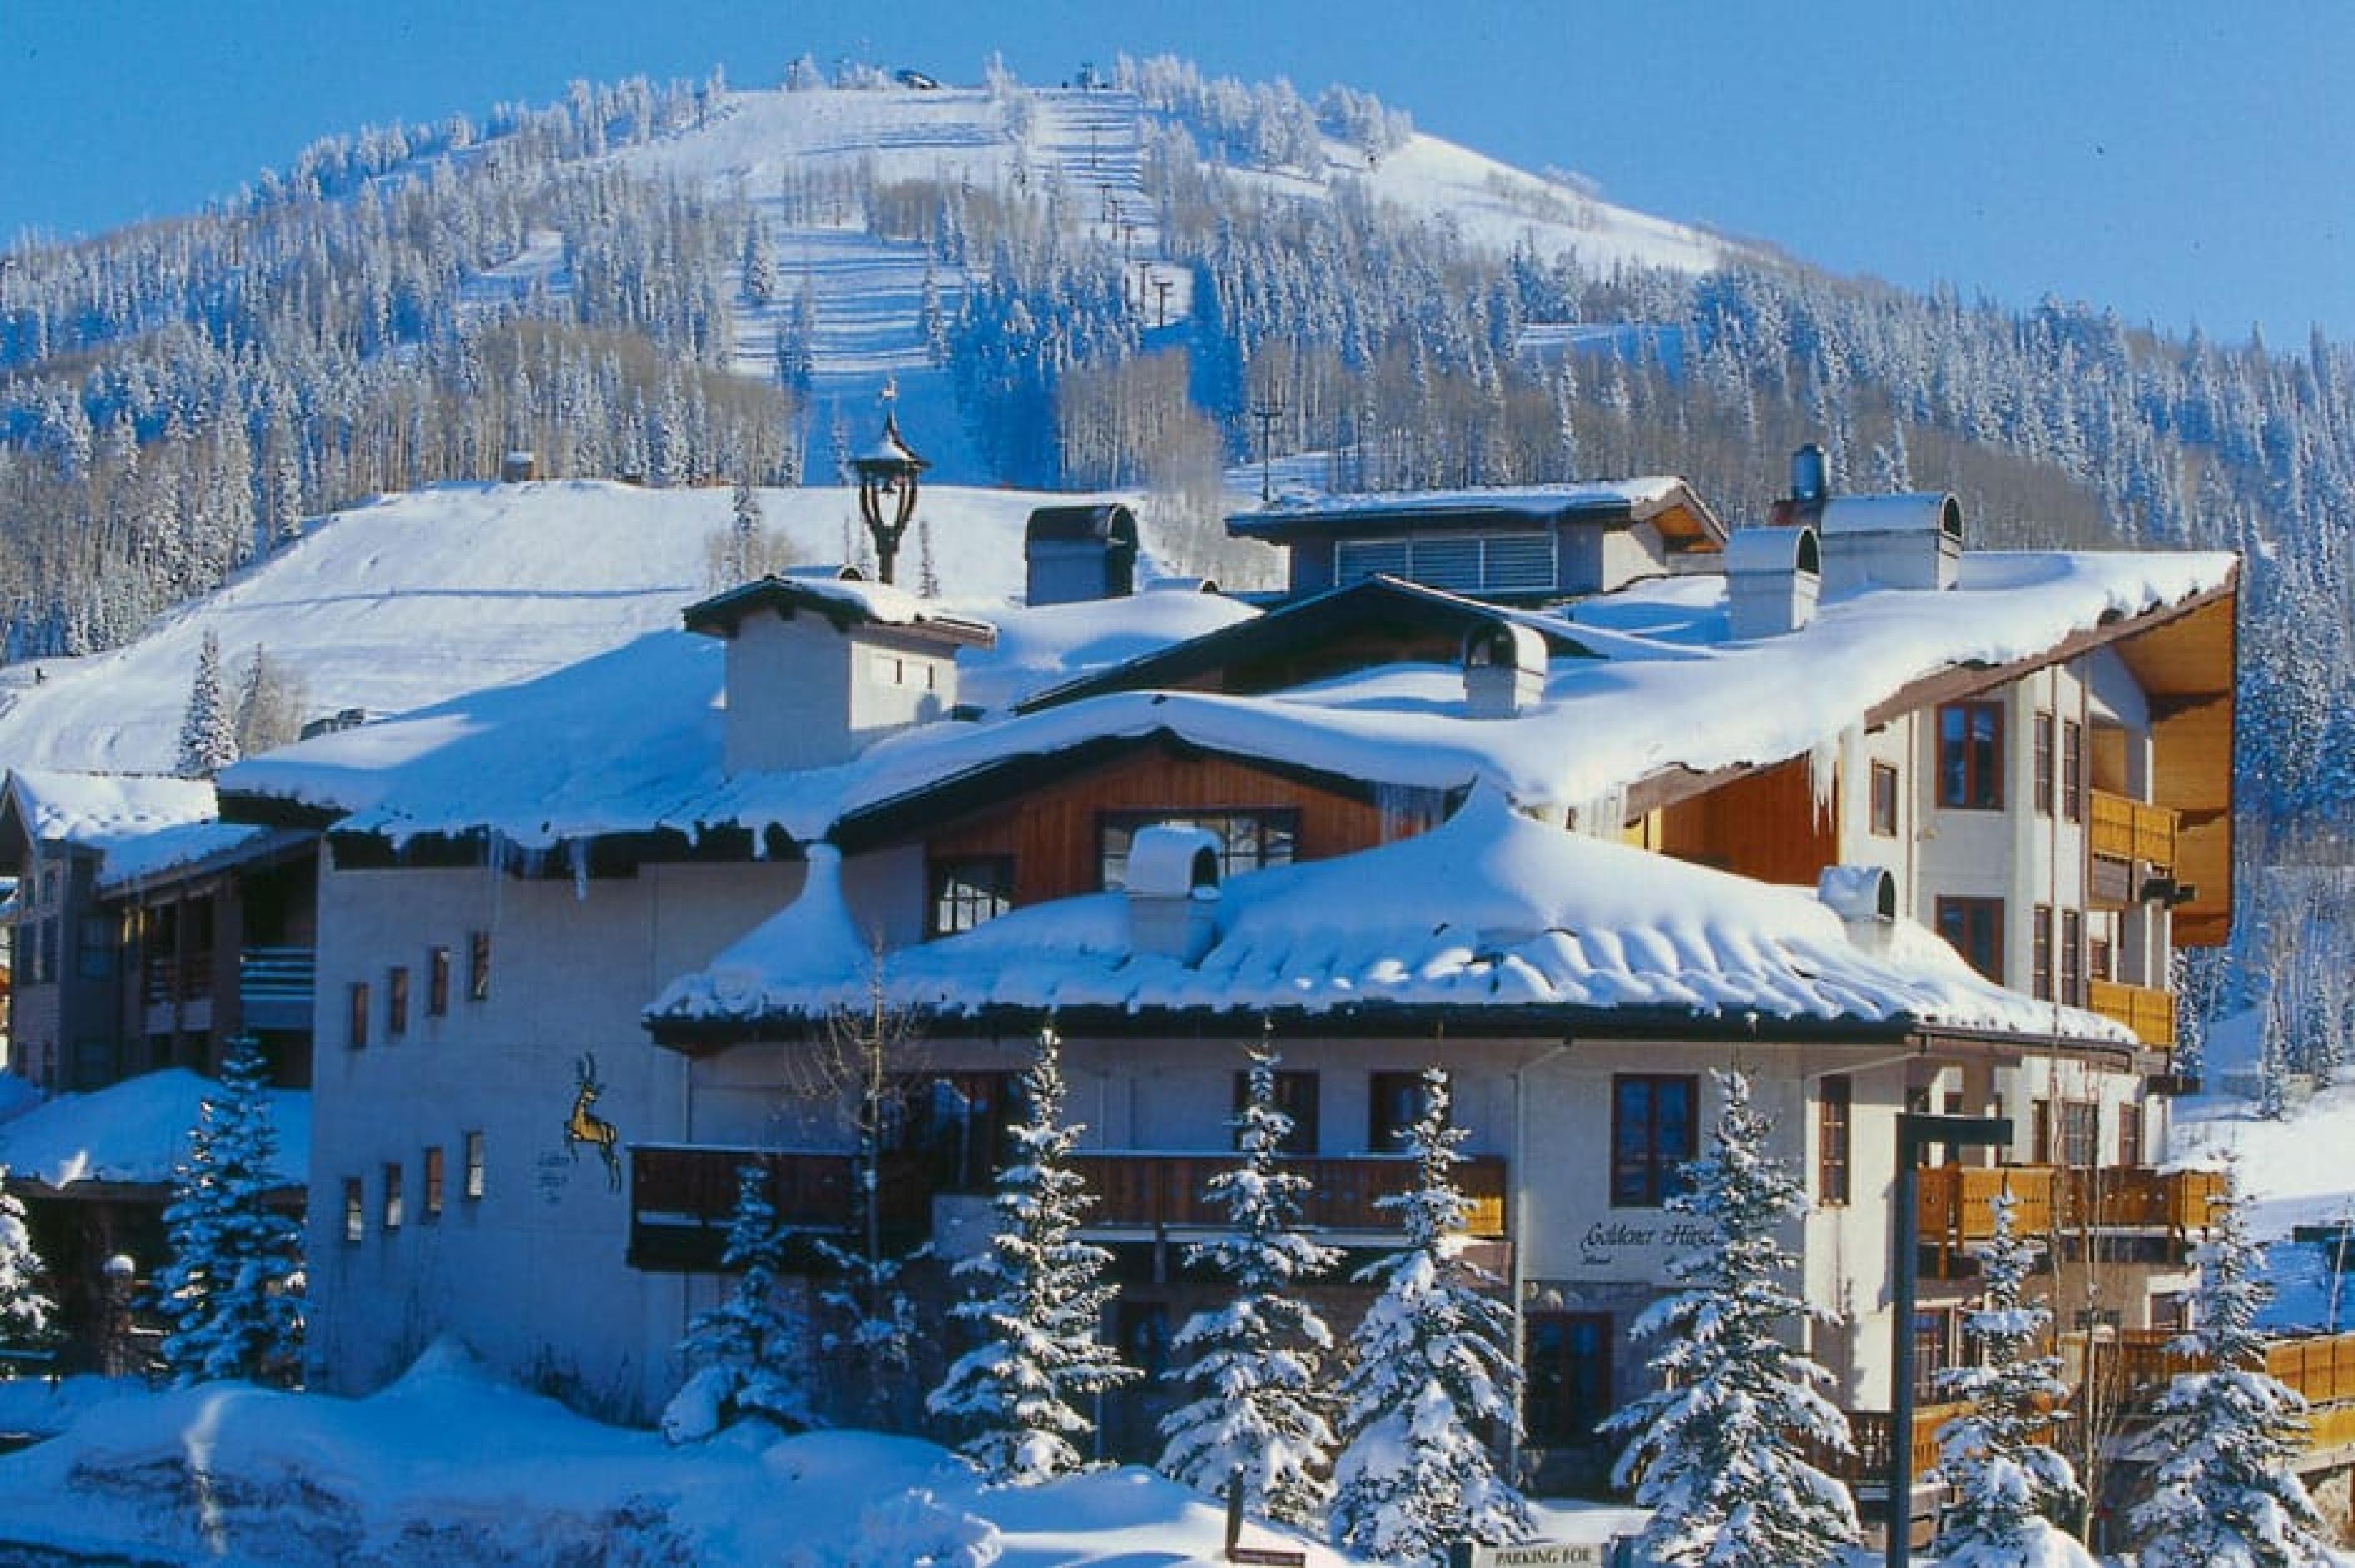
(2176,162)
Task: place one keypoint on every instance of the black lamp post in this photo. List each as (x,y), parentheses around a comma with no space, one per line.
(1916,1132)
(887,470)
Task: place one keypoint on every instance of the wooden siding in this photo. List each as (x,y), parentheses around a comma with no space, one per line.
(1051,832)
(1763,825)
(2149,1013)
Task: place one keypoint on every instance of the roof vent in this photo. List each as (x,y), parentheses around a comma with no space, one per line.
(1076,553)
(1504,669)
(1891,541)
(1865,898)
(1173,891)
(1773,577)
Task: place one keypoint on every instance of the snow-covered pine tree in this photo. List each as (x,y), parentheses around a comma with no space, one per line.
(23,1310)
(2223,1492)
(208,733)
(231,1290)
(1432,1380)
(1252,1363)
(1040,1350)
(1720,1452)
(2014,1494)
(746,1356)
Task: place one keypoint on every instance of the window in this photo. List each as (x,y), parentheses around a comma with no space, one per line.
(1934,1349)
(1295,1097)
(1248,838)
(1462,563)
(2040,954)
(359,1013)
(1143,1330)
(2130,1133)
(478,965)
(2081,1132)
(1394,1102)
(2073,957)
(1566,1363)
(396,1002)
(1884,800)
(355,1211)
(2072,771)
(2044,764)
(954,1124)
(94,948)
(392,1205)
(437,982)
(970,890)
(474,1188)
(2039,1131)
(434,1182)
(1974,928)
(2101,959)
(1970,756)
(1652,1136)
(1833,1104)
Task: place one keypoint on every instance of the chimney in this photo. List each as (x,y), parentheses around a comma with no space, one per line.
(1504,669)
(1773,577)
(1075,553)
(1891,541)
(1173,891)
(1865,898)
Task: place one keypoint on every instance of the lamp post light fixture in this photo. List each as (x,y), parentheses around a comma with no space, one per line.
(1916,1132)
(887,470)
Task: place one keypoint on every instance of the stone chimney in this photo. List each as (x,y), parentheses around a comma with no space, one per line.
(1173,891)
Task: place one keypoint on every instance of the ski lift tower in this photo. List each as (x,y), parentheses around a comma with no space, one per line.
(887,486)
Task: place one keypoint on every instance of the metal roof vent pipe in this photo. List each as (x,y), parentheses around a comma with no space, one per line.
(1865,898)
(1173,891)
(1504,669)
(1773,579)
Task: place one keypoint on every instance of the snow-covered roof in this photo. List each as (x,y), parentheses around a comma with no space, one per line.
(136,1131)
(95,810)
(847,602)
(1534,501)
(630,741)
(179,850)
(1488,911)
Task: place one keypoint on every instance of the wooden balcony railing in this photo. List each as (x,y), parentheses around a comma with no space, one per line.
(2321,1368)
(1954,1205)
(681,1197)
(2123,829)
(182,976)
(274,986)
(2149,1013)
(1153,1191)
(1870,1430)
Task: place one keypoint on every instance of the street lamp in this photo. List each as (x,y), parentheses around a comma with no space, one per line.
(1916,1132)
(887,487)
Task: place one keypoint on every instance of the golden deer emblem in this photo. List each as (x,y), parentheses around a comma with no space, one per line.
(581,1128)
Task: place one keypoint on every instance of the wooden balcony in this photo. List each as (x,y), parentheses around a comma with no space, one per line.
(1153,1192)
(2149,1013)
(2119,828)
(681,1197)
(1871,1429)
(274,986)
(2320,1366)
(1954,1205)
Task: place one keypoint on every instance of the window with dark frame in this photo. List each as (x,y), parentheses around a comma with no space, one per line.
(1394,1102)
(1974,928)
(437,982)
(968,891)
(2039,939)
(1834,1103)
(2073,957)
(432,1182)
(1295,1097)
(1653,1126)
(474,1160)
(1970,756)
(478,965)
(356,1025)
(1566,1363)
(2072,771)
(393,1212)
(396,1002)
(2039,1131)
(1884,800)
(2081,1132)
(1934,1349)
(2043,765)
(1249,837)
(2130,1133)
(355,1211)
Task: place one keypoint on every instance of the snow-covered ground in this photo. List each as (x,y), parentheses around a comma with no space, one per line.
(448,1465)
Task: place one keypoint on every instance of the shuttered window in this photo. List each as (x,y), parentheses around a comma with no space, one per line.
(1460,563)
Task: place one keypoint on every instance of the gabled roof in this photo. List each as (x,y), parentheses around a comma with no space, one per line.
(1666,503)
(845,605)
(94,811)
(1306,637)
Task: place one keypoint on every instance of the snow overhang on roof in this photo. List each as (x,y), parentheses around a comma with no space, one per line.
(845,603)
(95,811)
(1664,501)
(1489,915)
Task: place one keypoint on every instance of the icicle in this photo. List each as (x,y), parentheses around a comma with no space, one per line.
(1603,817)
(576,852)
(1406,809)
(1824,767)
